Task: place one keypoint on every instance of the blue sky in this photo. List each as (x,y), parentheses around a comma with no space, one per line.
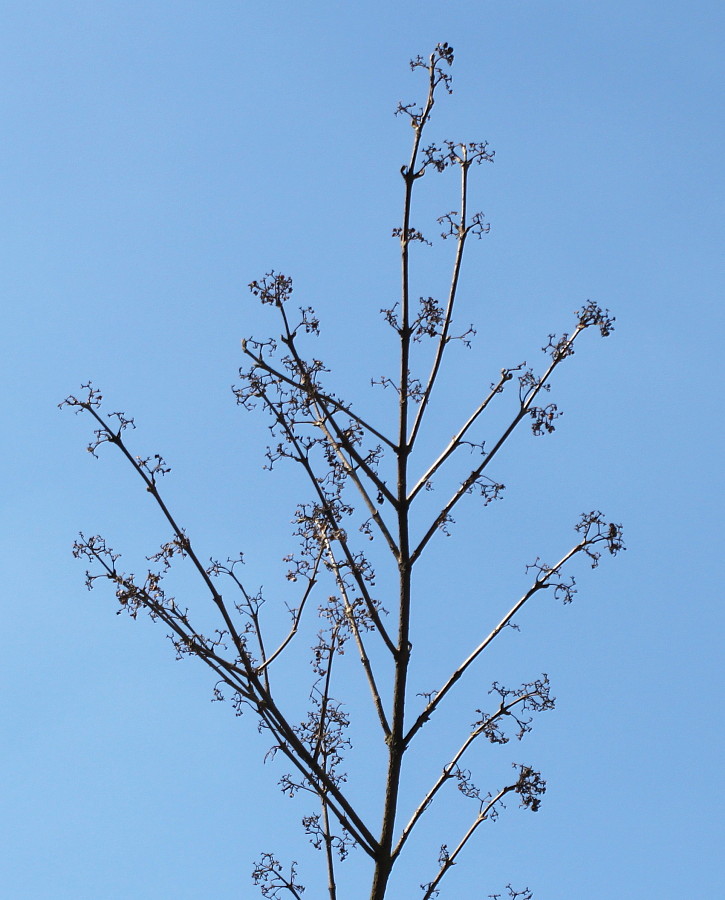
(158,156)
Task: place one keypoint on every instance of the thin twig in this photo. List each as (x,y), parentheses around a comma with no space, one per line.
(342,407)
(475,474)
(450,860)
(443,338)
(448,769)
(267,661)
(539,585)
(364,659)
(455,442)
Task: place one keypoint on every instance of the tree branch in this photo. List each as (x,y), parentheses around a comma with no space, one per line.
(449,860)
(364,659)
(472,478)
(462,233)
(338,531)
(541,583)
(260,361)
(329,858)
(267,661)
(484,727)
(455,443)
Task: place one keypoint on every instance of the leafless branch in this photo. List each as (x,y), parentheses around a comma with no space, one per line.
(348,464)
(595,531)
(531,696)
(447,859)
(353,621)
(457,440)
(589,315)
(268,660)
(464,156)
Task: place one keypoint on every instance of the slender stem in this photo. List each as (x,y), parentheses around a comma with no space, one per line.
(448,769)
(330,860)
(301,758)
(455,442)
(372,509)
(443,338)
(450,860)
(183,629)
(539,584)
(267,661)
(325,702)
(342,442)
(364,659)
(115,438)
(476,473)
(302,459)
(342,407)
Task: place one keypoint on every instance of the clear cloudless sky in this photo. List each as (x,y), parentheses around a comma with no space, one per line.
(157,156)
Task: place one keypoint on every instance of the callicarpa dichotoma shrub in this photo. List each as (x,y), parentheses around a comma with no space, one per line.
(361,488)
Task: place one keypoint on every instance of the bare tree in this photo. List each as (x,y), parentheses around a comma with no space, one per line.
(360,485)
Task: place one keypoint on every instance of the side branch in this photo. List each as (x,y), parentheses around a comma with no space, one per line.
(325,505)
(591,314)
(455,442)
(350,470)
(487,726)
(148,474)
(268,660)
(595,531)
(344,441)
(260,361)
(448,860)
(355,628)
(329,858)
(462,228)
